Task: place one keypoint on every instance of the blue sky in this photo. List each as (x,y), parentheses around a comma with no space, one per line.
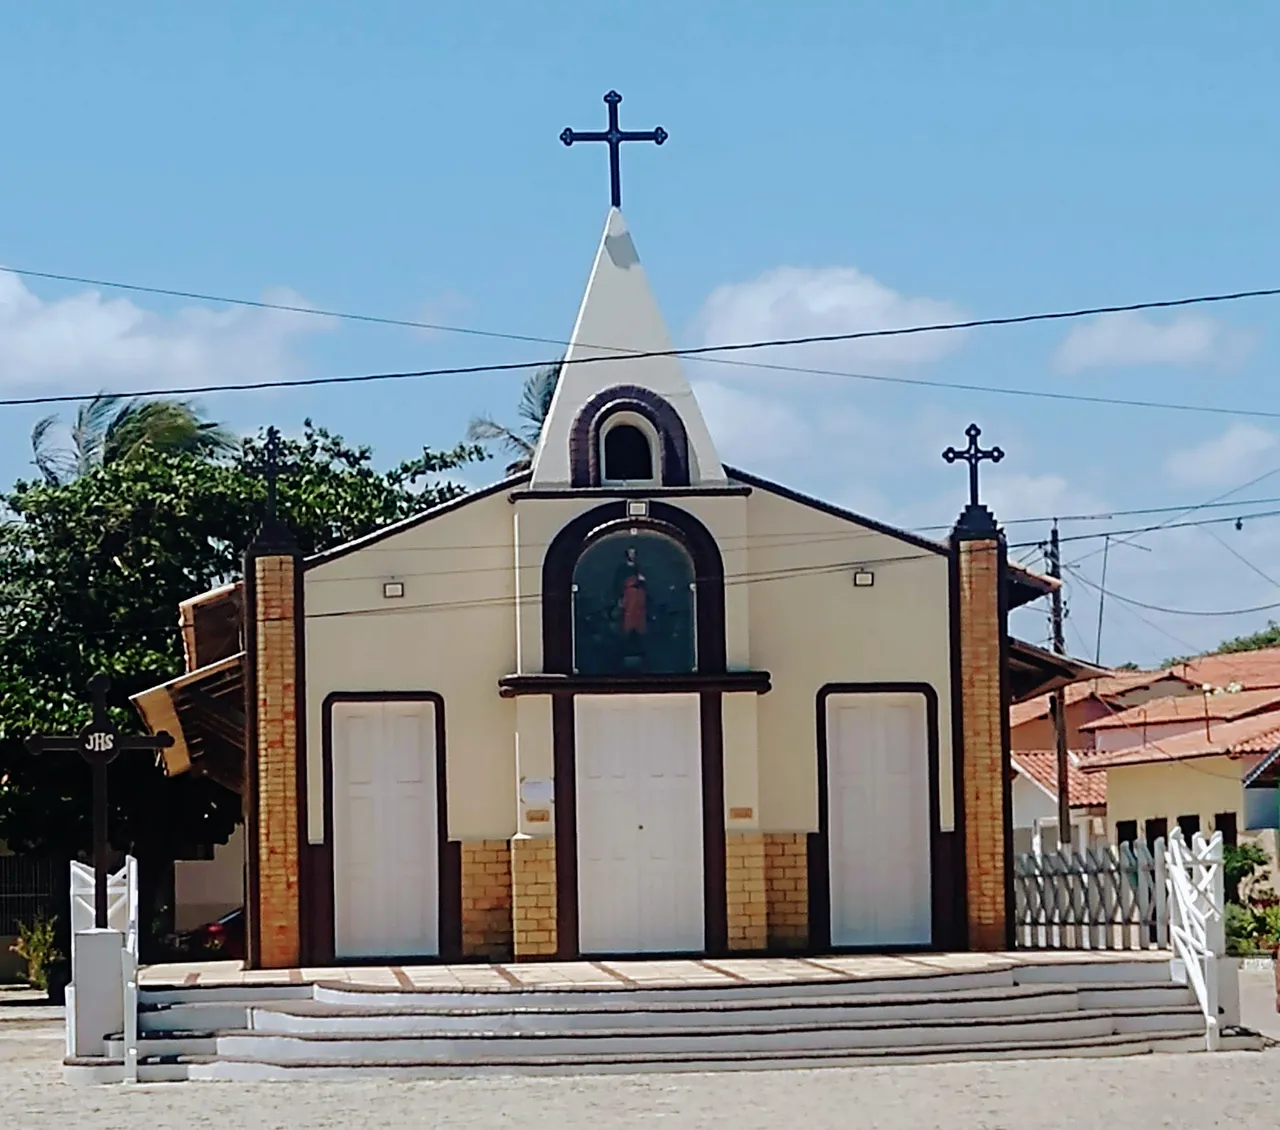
(830,167)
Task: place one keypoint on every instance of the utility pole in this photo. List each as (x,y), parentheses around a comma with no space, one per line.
(1058,700)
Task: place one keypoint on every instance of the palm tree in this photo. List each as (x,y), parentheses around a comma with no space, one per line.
(522,440)
(105,430)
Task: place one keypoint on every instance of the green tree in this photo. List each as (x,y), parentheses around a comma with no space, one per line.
(522,440)
(108,428)
(91,573)
(1267,637)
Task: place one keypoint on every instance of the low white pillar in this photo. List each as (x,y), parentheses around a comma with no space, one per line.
(98,997)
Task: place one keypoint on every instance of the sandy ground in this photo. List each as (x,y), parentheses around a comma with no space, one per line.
(1240,1090)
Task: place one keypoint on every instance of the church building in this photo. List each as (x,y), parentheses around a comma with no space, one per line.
(631,702)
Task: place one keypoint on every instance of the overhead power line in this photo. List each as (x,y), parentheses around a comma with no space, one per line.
(1168,611)
(705,353)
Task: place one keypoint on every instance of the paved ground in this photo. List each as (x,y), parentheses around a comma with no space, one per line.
(1240,1090)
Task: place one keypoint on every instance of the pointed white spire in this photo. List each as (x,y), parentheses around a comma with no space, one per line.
(619,315)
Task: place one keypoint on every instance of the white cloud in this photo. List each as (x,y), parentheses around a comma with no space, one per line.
(1225,459)
(86,342)
(788,302)
(1131,339)
(750,428)
(1014,495)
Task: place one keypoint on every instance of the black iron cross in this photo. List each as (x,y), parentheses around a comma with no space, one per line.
(99,743)
(973,455)
(271,453)
(614,137)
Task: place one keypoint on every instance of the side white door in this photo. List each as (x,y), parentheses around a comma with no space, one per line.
(385,850)
(878,820)
(639,817)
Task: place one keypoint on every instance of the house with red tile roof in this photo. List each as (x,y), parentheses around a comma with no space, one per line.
(1035,801)
(1031,725)
(1162,718)
(1195,780)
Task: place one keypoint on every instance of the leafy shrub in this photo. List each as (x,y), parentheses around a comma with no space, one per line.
(1241,928)
(35,945)
(1240,862)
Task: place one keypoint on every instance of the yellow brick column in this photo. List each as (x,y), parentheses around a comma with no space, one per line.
(984,757)
(533,895)
(486,899)
(272,581)
(744,890)
(786,890)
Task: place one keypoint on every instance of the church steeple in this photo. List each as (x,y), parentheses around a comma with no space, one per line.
(620,316)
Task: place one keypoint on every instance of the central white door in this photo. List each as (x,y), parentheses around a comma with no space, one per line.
(878,820)
(385,852)
(639,810)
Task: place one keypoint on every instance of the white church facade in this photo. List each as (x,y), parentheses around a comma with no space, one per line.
(633,702)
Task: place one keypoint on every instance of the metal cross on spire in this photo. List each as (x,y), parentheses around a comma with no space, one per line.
(614,137)
(99,743)
(271,468)
(973,455)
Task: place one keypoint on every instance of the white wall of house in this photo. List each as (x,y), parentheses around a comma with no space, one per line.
(206,889)
(1126,737)
(1035,820)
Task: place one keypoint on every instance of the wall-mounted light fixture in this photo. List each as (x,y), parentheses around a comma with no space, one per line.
(863,578)
(393,590)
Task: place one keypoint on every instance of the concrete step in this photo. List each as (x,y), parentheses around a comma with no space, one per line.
(225,1068)
(695,1042)
(182,994)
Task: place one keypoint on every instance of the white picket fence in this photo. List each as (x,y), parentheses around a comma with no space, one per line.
(122,915)
(1130,898)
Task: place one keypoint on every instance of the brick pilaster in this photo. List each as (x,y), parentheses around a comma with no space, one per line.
(786,890)
(979,567)
(533,896)
(744,890)
(274,746)
(486,899)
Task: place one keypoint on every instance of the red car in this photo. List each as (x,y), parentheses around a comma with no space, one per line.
(222,939)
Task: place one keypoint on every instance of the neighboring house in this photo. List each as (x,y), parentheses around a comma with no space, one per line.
(1163,718)
(1035,802)
(629,702)
(1248,670)
(1031,725)
(1194,780)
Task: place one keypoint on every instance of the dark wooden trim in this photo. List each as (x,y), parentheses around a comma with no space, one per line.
(715,898)
(565,769)
(820,843)
(835,511)
(584,434)
(715,895)
(957,900)
(448,861)
(754,682)
(567,546)
(507,484)
(819,860)
(1006,764)
(616,491)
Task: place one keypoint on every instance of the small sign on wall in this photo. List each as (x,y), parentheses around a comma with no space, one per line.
(538,791)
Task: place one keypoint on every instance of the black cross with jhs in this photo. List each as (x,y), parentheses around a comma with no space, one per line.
(271,453)
(99,743)
(973,455)
(614,137)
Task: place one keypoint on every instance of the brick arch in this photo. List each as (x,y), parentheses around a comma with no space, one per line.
(584,438)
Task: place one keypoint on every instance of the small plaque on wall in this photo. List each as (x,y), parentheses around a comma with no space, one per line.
(536,791)
(741,813)
(538,816)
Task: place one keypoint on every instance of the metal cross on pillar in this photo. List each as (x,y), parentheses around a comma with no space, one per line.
(973,455)
(271,468)
(274,534)
(614,137)
(99,743)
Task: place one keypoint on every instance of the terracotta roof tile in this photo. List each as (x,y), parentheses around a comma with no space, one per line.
(1250,669)
(1257,734)
(1116,683)
(1224,706)
(1041,766)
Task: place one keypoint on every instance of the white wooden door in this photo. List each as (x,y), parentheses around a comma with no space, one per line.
(639,810)
(878,820)
(385,865)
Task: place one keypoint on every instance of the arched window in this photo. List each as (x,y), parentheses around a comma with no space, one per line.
(634,606)
(628,455)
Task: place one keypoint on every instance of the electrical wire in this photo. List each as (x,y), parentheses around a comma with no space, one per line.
(1170,611)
